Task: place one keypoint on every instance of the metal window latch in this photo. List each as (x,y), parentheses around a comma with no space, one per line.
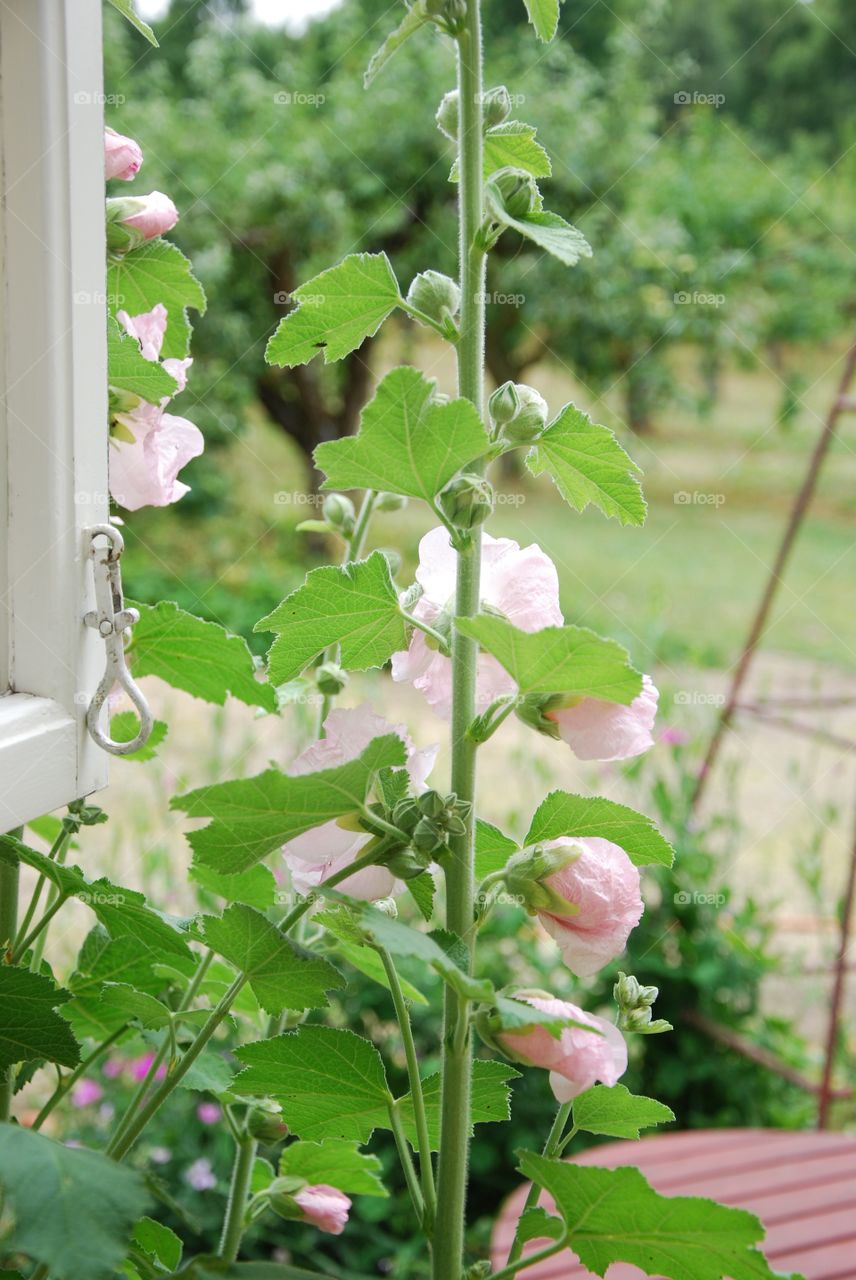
(110,619)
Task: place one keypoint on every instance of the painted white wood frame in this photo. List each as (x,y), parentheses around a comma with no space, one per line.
(53,417)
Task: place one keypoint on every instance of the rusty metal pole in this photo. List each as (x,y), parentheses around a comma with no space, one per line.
(836,1000)
(798,512)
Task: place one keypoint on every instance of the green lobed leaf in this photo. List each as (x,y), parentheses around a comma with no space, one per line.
(493,849)
(127,10)
(254,888)
(31,1029)
(549,232)
(100,1008)
(491,1099)
(159,272)
(562,814)
(336,311)
(617,1113)
(281,978)
(337,1163)
(614,1215)
(129,370)
(544,16)
(407,442)
(330,1083)
(158,1242)
(251,817)
(537,1224)
(69,1209)
(414,19)
(422,890)
(341,923)
(571,660)
(355,606)
(198,656)
(513,144)
(589,466)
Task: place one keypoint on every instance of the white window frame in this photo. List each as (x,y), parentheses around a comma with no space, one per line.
(53,416)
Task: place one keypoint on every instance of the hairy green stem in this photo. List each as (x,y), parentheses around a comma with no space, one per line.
(426,1169)
(519,1263)
(9,876)
(551,1147)
(22,947)
(448,1253)
(242,1173)
(56,853)
(406,1161)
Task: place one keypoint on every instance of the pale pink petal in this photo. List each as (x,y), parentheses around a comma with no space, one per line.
(325,1207)
(598,730)
(148,328)
(412,662)
(437,567)
(604,884)
(157,216)
(579,1058)
(523,582)
(144,473)
(178,370)
(122,156)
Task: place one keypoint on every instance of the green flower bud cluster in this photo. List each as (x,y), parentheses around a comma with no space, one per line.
(518,412)
(449,15)
(467,501)
(338,511)
(390,502)
(80,814)
(496,108)
(635,1007)
(429,820)
(266,1125)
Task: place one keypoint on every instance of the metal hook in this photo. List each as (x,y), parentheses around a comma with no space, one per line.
(110,618)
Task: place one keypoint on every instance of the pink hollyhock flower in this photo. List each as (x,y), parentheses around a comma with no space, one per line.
(122,156)
(113,1068)
(598,730)
(579,1058)
(521,582)
(208,1113)
(604,886)
(155,216)
(674,737)
(318,853)
(325,1207)
(141,1066)
(144,470)
(200,1175)
(86,1092)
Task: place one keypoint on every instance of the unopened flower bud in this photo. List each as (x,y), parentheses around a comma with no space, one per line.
(449,14)
(504,404)
(531,418)
(636,1019)
(532,709)
(467,501)
(406,814)
(438,296)
(280,1197)
(526,875)
(393,559)
(513,190)
(387,907)
(447,115)
(390,502)
(496,106)
(409,863)
(626,991)
(431,804)
(266,1126)
(330,678)
(131,220)
(338,511)
(428,837)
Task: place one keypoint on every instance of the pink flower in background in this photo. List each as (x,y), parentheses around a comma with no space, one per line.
(113,1068)
(122,156)
(604,885)
(200,1175)
(160,1155)
(674,737)
(208,1113)
(144,470)
(597,730)
(141,1066)
(579,1058)
(325,1207)
(86,1092)
(521,582)
(155,215)
(317,854)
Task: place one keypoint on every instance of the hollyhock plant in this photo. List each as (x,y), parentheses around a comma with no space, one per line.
(579,1058)
(324,1207)
(603,885)
(151,215)
(151,445)
(317,854)
(122,156)
(521,583)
